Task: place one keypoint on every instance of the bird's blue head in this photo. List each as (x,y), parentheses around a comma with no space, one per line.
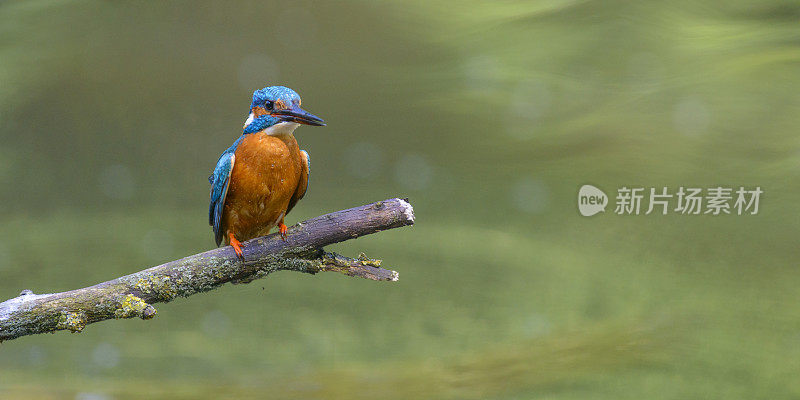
(277,109)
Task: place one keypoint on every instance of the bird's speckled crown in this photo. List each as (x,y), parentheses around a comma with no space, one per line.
(274,93)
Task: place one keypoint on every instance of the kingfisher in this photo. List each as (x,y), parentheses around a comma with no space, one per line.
(263,175)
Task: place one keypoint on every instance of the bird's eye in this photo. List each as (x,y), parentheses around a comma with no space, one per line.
(269,104)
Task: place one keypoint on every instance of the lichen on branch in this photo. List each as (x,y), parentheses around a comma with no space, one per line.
(132,296)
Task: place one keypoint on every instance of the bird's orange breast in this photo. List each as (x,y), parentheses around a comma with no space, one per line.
(265,176)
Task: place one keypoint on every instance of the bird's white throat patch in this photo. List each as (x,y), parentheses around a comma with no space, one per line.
(282,128)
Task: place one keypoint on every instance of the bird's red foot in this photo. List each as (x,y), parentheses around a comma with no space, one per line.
(237,246)
(282,227)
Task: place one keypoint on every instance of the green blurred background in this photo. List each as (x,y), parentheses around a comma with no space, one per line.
(488,116)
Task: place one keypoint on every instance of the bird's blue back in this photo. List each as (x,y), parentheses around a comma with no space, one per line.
(219,180)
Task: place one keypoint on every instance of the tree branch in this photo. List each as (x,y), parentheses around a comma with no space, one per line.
(132,295)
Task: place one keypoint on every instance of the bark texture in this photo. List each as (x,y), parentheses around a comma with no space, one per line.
(133,295)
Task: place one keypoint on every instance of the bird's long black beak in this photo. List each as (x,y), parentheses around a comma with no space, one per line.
(297,114)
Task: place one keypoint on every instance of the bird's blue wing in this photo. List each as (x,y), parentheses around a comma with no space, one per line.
(220,179)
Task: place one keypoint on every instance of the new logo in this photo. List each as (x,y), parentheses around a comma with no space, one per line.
(591,200)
